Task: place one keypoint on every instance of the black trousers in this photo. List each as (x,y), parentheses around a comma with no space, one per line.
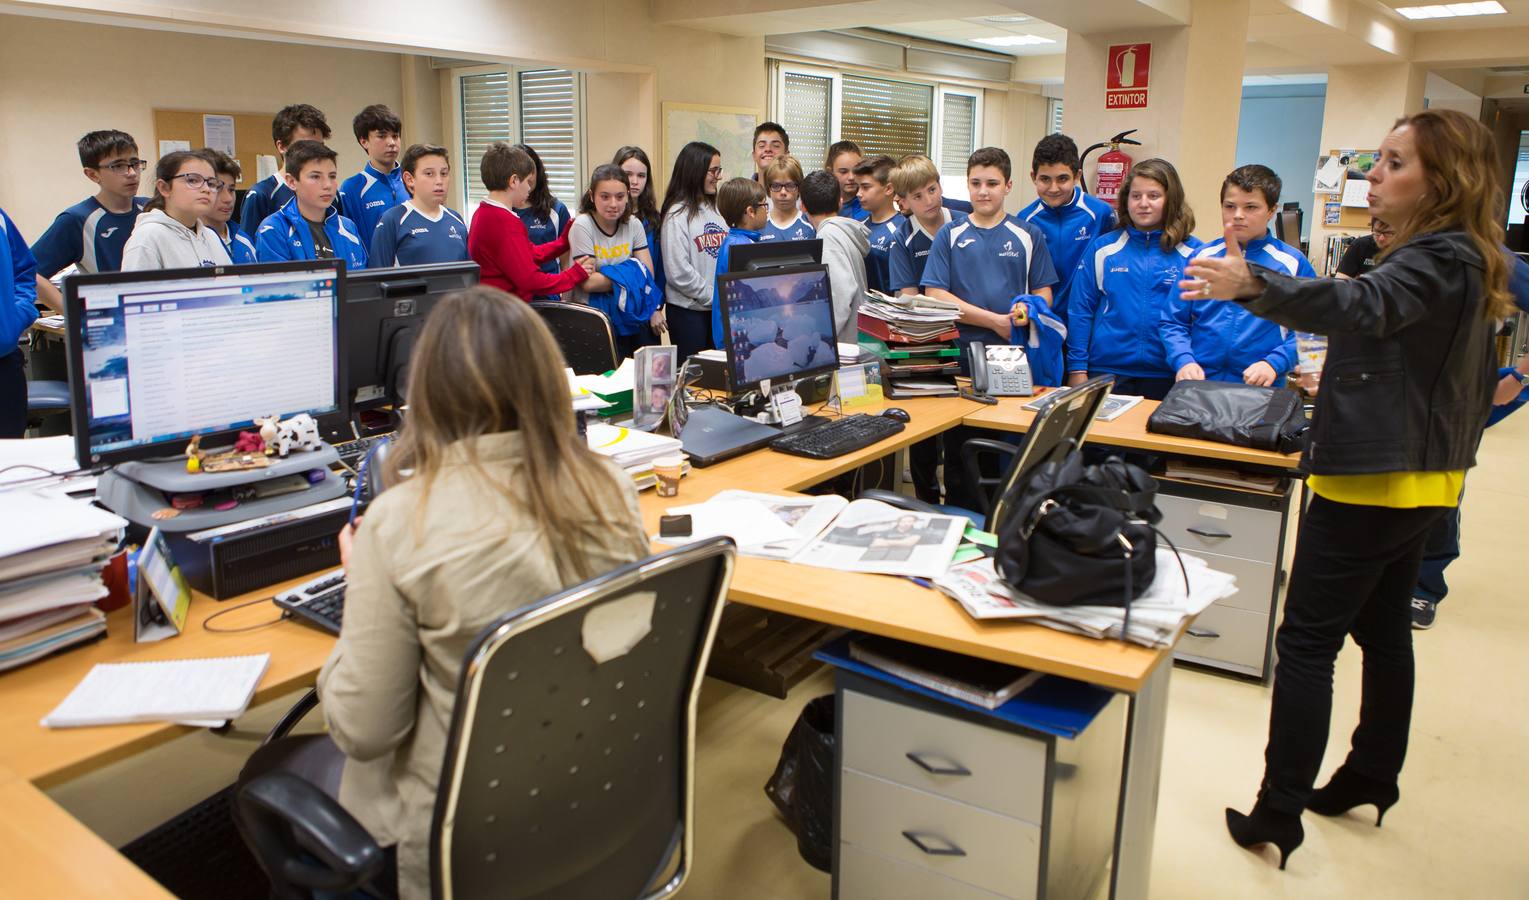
(1353,575)
(13,395)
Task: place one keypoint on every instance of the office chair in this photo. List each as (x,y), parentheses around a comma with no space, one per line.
(584,333)
(47,400)
(564,776)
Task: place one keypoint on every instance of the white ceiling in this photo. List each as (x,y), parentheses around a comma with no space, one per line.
(966,31)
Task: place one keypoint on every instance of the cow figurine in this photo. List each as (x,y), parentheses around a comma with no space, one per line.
(268,430)
(301,432)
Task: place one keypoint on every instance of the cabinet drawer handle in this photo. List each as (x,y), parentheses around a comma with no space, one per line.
(918,841)
(953,768)
(1208,532)
(1202,632)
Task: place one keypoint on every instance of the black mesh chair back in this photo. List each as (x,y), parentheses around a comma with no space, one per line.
(571,777)
(584,333)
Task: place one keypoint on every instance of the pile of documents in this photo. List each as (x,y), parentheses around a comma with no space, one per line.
(908,318)
(52,549)
(633,450)
(613,389)
(1156,616)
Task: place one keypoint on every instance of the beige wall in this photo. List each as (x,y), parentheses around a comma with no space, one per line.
(43,114)
(1014,120)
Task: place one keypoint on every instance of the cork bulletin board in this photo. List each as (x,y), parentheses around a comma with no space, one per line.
(1349,217)
(252,136)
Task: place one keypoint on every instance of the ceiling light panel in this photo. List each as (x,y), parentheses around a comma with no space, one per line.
(1014,40)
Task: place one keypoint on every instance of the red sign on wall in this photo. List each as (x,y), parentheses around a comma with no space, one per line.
(1125,84)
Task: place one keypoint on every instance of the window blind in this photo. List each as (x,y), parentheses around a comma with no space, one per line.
(549,124)
(806,104)
(891,117)
(958,132)
(487,116)
(1055,115)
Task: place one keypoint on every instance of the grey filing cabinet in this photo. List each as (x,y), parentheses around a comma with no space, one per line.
(1241,532)
(937,801)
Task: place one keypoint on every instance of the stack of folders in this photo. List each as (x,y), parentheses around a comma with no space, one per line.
(908,318)
(52,549)
(914,338)
(633,450)
(979,682)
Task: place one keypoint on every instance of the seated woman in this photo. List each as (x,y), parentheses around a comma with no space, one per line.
(504,505)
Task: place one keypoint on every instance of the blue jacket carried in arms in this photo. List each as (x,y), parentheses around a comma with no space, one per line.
(18,286)
(734,236)
(1043,338)
(1115,303)
(633,298)
(1068,229)
(284,235)
(1224,338)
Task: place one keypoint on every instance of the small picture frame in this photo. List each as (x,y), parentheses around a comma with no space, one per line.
(656,378)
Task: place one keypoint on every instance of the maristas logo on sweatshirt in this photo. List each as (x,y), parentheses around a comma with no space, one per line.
(709,241)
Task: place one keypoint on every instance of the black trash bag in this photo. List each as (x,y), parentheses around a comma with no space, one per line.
(804,782)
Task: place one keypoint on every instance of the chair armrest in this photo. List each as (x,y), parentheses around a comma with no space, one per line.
(289,720)
(303,837)
(901,501)
(972,451)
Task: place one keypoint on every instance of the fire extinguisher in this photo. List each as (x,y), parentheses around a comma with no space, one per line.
(1113,166)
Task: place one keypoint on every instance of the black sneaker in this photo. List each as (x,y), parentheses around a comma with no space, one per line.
(1423,613)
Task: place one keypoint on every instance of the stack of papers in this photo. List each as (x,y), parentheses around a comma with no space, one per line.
(612,388)
(908,318)
(1156,616)
(35,458)
(629,447)
(52,549)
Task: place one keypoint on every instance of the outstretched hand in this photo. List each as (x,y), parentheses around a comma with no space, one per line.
(1224,278)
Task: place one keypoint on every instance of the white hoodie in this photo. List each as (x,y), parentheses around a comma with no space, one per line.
(845,242)
(160,242)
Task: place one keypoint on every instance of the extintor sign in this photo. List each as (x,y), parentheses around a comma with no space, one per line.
(1125,84)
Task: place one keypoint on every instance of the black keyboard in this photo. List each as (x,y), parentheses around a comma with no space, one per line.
(352,452)
(838,437)
(320,602)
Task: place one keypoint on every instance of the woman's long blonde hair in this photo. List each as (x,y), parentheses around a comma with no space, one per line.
(485,363)
(1464,193)
(1178,218)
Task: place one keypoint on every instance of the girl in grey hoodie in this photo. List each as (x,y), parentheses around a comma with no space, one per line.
(692,232)
(170,234)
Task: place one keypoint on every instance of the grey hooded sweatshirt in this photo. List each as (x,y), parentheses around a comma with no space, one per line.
(845,243)
(160,242)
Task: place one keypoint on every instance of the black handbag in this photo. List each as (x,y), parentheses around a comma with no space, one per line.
(1081,535)
(1263,418)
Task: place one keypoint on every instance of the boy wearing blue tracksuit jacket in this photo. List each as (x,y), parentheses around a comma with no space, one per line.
(18,310)
(378,187)
(298,122)
(1068,217)
(1123,282)
(307,227)
(1207,342)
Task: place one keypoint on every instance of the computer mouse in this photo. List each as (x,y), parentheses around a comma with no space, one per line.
(898,413)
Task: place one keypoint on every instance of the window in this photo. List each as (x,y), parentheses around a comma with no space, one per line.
(541,108)
(1054,114)
(882,115)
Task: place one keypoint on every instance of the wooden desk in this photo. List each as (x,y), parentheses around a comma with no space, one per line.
(1130,431)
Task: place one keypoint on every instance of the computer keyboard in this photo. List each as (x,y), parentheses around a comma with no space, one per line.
(352,452)
(320,601)
(838,437)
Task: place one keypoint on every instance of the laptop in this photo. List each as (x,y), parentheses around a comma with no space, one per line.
(711,435)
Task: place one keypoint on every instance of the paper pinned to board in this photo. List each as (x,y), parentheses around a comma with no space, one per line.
(1356,192)
(218,133)
(173,146)
(265,166)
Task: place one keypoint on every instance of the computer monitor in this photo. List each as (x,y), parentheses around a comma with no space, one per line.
(1061,426)
(157,357)
(384,311)
(773,254)
(778,325)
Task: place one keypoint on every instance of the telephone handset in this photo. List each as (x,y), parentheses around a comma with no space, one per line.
(999,371)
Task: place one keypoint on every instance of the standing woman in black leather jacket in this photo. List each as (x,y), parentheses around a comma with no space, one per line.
(1405,395)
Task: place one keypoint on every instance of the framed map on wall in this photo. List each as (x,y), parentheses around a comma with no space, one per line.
(728,128)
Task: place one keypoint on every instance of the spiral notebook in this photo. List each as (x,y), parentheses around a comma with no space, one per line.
(188,691)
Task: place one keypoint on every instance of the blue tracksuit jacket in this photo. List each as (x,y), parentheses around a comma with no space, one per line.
(633,298)
(1115,303)
(734,236)
(1068,229)
(284,236)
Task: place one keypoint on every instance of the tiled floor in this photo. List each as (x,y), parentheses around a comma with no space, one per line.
(1457,831)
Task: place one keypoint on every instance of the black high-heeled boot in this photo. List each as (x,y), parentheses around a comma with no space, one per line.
(1349,789)
(1266,826)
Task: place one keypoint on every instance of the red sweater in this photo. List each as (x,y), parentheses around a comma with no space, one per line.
(506,258)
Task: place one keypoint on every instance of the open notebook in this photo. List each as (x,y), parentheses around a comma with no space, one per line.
(188,691)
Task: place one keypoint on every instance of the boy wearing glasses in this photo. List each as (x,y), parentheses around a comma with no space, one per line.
(90,235)
(743,206)
(786,221)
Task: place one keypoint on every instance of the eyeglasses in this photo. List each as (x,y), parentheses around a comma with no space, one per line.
(124,166)
(782,186)
(714,170)
(754,206)
(197,181)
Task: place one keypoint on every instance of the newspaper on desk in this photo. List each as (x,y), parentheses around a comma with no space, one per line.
(831,532)
(1156,615)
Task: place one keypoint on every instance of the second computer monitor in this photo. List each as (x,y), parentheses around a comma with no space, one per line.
(773,254)
(384,311)
(778,324)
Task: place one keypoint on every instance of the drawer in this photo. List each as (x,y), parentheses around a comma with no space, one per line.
(1007,771)
(986,850)
(1255,581)
(1241,640)
(866,876)
(1226,529)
